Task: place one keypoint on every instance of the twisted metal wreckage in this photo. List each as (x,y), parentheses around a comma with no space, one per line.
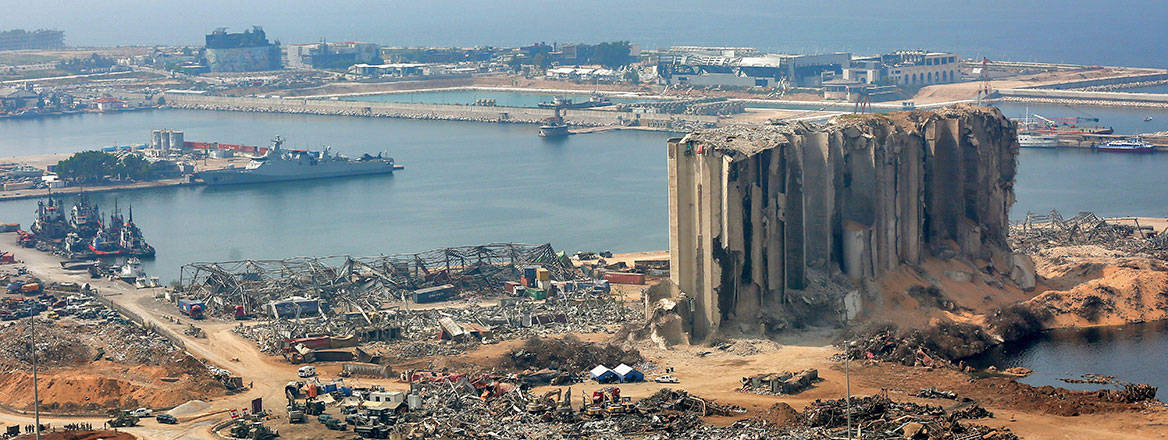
(364,284)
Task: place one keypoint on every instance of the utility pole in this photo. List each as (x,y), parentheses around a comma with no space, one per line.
(36,401)
(847,373)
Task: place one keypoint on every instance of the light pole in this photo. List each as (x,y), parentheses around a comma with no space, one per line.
(36,401)
(847,372)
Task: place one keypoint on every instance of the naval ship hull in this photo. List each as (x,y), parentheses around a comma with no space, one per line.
(241,176)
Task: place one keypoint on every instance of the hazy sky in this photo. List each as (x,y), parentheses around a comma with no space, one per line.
(1087,31)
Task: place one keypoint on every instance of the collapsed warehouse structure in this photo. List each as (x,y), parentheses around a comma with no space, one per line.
(344,285)
(786,223)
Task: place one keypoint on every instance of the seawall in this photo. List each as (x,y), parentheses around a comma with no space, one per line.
(522,115)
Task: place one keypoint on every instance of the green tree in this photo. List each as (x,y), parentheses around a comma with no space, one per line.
(134,167)
(612,55)
(88,166)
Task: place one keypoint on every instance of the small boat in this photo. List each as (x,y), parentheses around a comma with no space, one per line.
(131,271)
(1129,145)
(1149,118)
(78,264)
(554,126)
(1035,140)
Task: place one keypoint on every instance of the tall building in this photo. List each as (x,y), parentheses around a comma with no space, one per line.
(18,39)
(247,51)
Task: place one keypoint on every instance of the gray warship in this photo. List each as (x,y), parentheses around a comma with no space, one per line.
(279,165)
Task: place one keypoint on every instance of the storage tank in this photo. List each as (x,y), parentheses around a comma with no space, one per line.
(176,139)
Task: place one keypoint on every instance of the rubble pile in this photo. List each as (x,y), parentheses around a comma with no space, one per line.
(879,417)
(56,346)
(418,329)
(667,399)
(935,346)
(568,354)
(784,383)
(1039,232)
(130,344)
(346,284)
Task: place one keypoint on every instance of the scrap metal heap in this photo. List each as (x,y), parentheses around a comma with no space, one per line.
(361,285)
(1043,231)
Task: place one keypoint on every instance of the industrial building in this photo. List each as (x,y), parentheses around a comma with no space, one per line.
(746,67)
(246,51)
(783,225)
(906,68)
(325,55)
(166,139)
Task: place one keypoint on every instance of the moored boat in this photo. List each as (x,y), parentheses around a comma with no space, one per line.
(1129,145)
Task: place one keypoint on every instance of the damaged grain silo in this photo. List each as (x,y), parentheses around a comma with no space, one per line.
(781,224)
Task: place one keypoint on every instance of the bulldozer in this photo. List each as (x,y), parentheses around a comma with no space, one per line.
(122,419)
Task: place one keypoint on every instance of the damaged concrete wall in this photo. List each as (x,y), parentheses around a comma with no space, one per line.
(773,224)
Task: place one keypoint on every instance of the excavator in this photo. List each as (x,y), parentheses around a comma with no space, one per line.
(607,401)
(545,402)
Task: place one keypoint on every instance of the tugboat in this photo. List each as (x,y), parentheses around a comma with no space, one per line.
(83,218)
(105,244)
(130,239)
(50,221)
(554,127)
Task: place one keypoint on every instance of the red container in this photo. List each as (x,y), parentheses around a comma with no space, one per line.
(625,278)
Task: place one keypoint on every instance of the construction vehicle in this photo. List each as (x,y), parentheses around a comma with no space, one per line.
(252,430)
(192,308)
(296,413)
(122,419)
(372,431)
(545,402)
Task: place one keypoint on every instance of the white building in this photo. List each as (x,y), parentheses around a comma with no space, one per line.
(920,68)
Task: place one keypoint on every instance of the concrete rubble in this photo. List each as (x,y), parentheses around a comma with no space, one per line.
(782,226)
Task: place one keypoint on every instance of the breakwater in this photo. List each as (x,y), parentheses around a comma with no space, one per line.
(521,115)
(1076,97)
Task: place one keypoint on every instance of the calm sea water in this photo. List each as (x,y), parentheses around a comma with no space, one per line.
(1132,353)
(464,184)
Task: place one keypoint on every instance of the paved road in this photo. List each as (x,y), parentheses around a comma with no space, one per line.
(222,347)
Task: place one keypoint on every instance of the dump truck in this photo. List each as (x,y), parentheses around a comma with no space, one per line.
(192,308)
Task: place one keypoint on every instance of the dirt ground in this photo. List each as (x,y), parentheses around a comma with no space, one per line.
(82,435)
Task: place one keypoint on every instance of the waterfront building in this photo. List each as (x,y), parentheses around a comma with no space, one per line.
(915,68)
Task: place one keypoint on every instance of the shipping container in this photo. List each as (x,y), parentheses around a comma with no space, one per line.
(625,278)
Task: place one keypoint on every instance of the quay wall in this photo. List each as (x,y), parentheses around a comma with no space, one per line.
(1104,81)
(521,115)
(1075,97)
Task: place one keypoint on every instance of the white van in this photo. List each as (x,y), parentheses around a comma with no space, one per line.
(307,371)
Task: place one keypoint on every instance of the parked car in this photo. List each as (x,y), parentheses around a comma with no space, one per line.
(141,412)
(166,418)
(306,371)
